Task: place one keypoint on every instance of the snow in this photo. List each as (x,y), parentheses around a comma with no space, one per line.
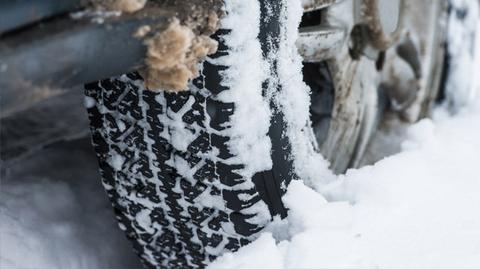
(463,72)
(295,97)
(415,209)
(55,214)
(89,102)
(247,70)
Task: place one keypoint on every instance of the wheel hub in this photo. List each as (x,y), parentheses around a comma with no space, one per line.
(352,49)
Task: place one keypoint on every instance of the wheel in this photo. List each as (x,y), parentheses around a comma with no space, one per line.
(363,73)
(194,174)
(190,174)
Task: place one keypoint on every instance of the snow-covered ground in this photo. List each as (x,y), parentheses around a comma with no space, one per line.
(54,214)
(419,208)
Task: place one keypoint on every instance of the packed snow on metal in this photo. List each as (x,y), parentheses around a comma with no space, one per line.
(415,209)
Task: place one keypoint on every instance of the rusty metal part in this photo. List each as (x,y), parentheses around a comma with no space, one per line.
(311,5)
(319,43)
(372,16)
(344,130)
(376,26)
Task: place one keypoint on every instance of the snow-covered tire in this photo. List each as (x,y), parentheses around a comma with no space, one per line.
(144,173)
(178,191)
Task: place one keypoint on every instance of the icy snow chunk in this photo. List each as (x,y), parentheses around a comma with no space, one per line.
(116,161)
(210,201)
(309,209)
(89,102)
(249,257)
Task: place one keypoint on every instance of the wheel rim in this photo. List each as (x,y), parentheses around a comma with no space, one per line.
(350,101)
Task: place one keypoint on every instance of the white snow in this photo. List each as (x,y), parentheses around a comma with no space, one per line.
(463,71)
(416,209)
(116,161)
(295,97)
(247,70)
(54,214)
(89,102)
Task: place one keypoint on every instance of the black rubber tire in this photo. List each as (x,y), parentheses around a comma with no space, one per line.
(142,170)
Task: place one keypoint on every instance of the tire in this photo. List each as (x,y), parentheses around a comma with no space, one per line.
(166,163)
